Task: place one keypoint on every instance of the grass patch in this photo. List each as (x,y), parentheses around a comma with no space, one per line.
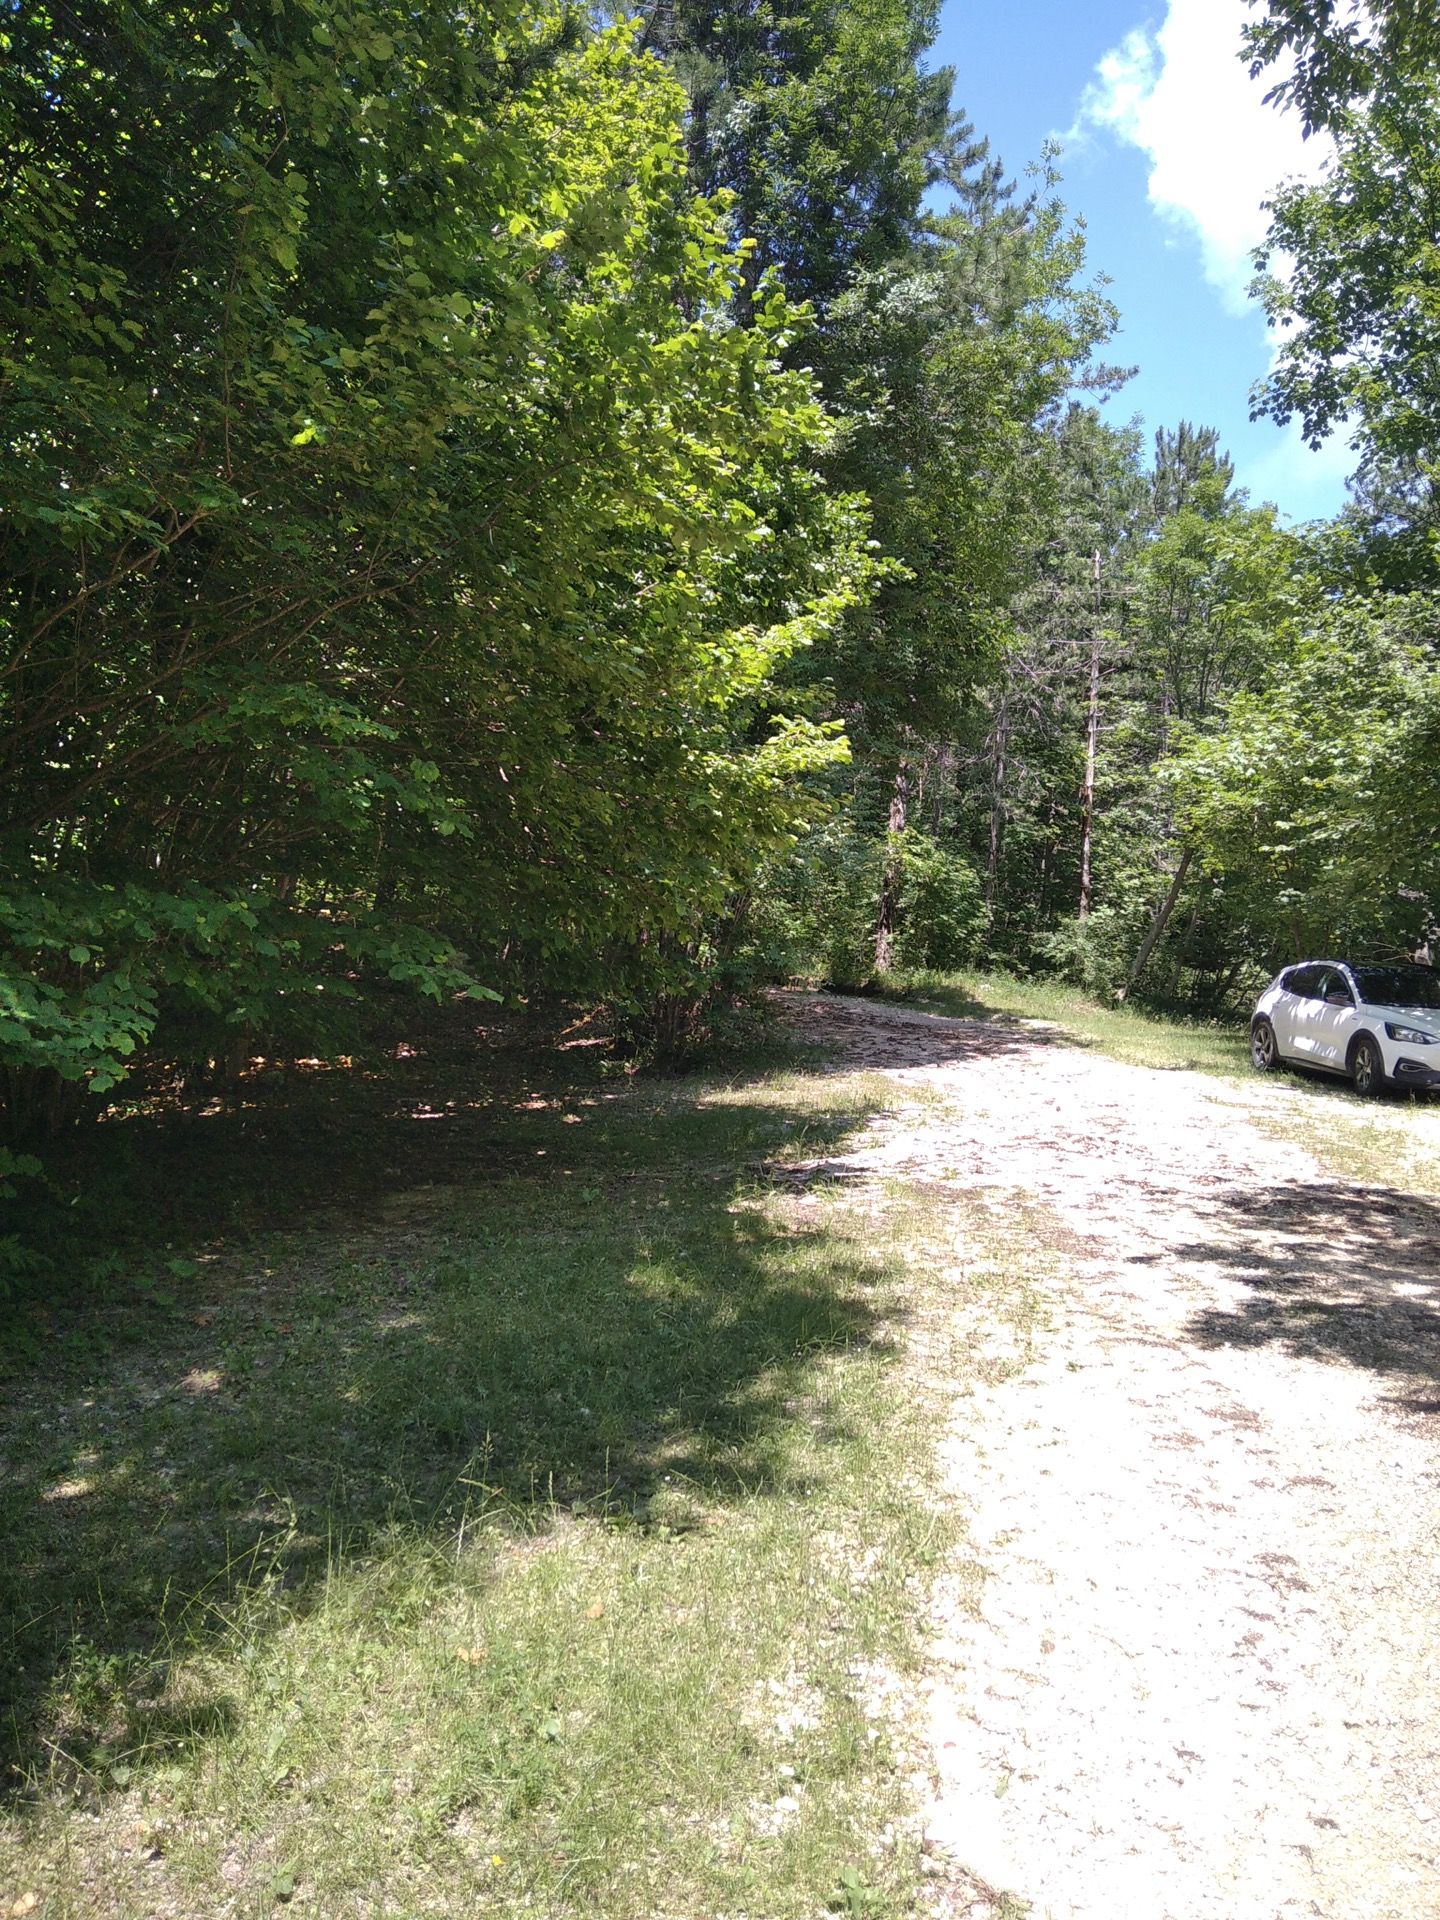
(545,1539)
(1391,1144)
(1139,1038)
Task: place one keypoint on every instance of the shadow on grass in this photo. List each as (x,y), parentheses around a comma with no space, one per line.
(579,1313)
(1339,1273)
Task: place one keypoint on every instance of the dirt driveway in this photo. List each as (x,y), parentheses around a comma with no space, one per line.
(1202,1681)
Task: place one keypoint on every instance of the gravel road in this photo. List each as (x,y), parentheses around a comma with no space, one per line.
(1201,1684)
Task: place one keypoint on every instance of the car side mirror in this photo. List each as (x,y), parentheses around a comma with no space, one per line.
(1338,997)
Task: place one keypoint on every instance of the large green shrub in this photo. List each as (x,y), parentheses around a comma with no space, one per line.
(398,541)
(821,909)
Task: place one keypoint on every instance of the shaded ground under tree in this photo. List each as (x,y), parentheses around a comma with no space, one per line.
(463,1283)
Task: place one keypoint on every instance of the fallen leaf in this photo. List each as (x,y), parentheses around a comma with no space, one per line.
(27,1903)
(202,1319)
(595,1612)
(472,1656)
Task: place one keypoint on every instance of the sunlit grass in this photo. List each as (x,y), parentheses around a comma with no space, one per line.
(549,1546)
(1392,1143)
(1124,1032)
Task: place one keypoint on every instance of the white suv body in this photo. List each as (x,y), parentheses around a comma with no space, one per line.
(1376,1025)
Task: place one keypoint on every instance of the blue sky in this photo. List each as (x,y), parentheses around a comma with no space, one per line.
(1169,151)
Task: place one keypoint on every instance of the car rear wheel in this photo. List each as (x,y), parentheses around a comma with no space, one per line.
(1263,1051)
(1367,1065)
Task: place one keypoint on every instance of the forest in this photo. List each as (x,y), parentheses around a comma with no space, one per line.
(609,509)
(644,1271)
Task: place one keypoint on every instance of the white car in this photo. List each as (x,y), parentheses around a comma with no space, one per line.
(1378,1026)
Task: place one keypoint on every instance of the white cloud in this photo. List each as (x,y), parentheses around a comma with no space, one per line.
(1183,95)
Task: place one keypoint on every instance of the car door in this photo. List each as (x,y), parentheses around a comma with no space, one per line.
(1330,1019)
(1291,1011)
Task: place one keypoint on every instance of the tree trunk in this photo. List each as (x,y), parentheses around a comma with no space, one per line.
(1092,730)
(947,769)
(1159,923)
(890,884)
(997,809)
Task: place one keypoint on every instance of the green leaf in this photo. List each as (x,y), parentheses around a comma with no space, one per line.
(285,1881)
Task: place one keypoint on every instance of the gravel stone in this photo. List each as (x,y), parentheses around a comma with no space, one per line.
(1201,1684)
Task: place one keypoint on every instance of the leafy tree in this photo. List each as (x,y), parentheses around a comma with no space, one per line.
(1195,591)
(820,120)
(1340,52)
(399,544)
(1316,807)
(1357,298)
(1387,539)
(955,361)
(1190,469)
(1212,590)
(949,369)
(1024,794)
(1359,304)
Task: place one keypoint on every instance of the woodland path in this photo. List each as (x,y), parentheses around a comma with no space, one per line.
(1201,1682)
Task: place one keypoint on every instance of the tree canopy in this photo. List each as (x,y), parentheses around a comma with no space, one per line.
(400,542)
(500,500)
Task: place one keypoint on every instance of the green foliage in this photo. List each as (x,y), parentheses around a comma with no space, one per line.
(949,366)
(1358,304)
(89,972)
(20,1173)
(1333,53)
(821,121)
(1198,596)
(852,1895)
(1316,807)
(399,542)
(1021,760)
(941,914)
(1094,953)
(822,908)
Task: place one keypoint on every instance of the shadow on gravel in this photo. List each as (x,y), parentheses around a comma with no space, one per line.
(879,1036)
(1343,1273)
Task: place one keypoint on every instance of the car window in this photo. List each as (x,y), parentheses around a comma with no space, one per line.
(1334,987)
(1399,986)
(1304,981)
